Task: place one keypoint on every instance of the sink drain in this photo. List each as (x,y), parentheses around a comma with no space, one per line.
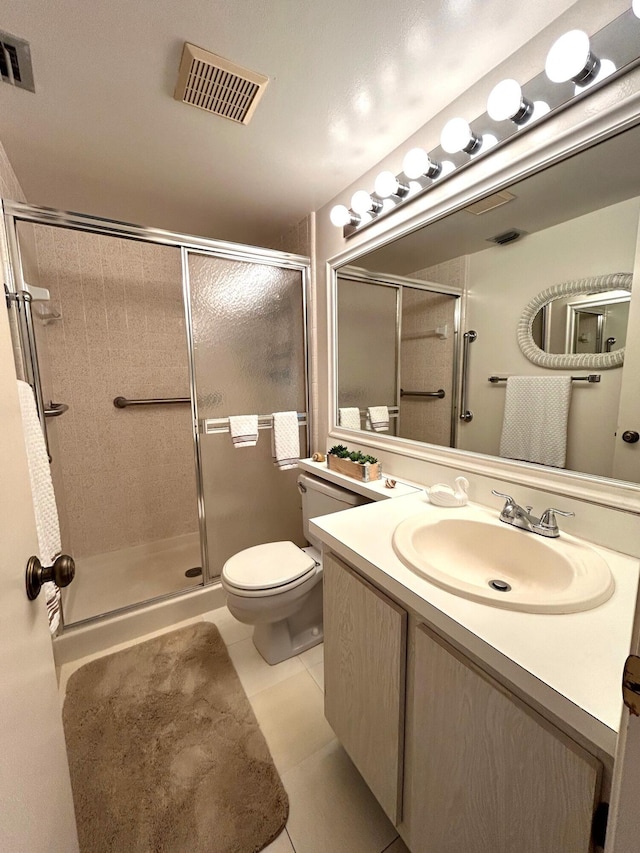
(500,586)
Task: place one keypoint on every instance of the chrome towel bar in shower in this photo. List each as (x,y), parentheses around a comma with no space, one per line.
(439,393)
(211,426)
(122,402)
(592,377)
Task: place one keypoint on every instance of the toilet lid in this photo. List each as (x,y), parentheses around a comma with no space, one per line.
(267,566)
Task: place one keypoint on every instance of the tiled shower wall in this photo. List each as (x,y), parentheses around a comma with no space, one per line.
(122,477)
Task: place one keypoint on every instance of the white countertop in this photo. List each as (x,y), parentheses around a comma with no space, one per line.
(375,489)
(569,665)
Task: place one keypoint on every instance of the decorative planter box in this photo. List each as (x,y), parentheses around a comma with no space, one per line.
(365,472)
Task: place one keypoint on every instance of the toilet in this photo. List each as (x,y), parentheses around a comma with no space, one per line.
(278,586)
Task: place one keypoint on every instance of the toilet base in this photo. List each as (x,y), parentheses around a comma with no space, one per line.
(278,641)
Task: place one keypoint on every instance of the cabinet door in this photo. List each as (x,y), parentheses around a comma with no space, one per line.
(487,774)
(364,663)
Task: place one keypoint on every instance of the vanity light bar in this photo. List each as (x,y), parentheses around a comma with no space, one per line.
(575,64)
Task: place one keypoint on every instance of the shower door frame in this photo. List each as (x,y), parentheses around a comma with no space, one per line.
(14,212)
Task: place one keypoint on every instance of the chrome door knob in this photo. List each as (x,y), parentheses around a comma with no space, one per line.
(62,572)
(630,436)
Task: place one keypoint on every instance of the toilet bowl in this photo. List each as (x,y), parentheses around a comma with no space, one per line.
(277,587)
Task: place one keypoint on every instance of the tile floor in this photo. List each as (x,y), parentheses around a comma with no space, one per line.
(331,808)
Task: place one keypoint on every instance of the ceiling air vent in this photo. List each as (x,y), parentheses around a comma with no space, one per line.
(214,84)
(505,237)
(15,62)
(490,202)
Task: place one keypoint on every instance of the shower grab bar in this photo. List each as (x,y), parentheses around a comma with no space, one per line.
(213,426)
(592,377)
(122,402)
(24,298)
(54,410)
(439,393)
(467,339)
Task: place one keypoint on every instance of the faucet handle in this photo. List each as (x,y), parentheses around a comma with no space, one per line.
(508,498)
(548,517)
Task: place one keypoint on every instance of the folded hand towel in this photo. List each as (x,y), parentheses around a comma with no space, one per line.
(285,440)
(44,502)
(244,430)
(349,418)
(536,413)
(378,418)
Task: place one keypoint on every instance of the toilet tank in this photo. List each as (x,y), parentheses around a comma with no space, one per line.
(320,497)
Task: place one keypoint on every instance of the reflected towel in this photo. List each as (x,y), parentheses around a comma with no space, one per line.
(536,414)
(285,440)
(349,418)
(244,430)
(378,418)
(44,501)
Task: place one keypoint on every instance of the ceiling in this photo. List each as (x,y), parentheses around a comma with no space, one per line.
(349,81)
(603,175)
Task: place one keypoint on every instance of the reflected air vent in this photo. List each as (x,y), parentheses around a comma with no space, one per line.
(214,84)
(490,202)
(505,237)
(15,62)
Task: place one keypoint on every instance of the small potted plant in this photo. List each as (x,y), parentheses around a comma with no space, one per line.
(353,464)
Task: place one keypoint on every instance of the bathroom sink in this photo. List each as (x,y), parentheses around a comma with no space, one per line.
(488,561)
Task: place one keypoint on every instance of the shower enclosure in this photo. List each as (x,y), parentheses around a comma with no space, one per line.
(139,344)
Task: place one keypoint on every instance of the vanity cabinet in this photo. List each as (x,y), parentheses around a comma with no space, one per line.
(365,635)
(484,772)
(466,765)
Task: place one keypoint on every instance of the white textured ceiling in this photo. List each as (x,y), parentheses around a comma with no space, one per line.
(350,80)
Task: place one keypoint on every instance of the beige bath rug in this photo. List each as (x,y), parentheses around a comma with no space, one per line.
(166,754)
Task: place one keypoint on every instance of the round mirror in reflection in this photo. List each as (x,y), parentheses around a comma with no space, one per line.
(592,323)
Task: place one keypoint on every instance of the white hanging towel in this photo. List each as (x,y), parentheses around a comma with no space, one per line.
(378,418)
(536,413)
(349,418)
(44,501)
(285,440)
(244,430)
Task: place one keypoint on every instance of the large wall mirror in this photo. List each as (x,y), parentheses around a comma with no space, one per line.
(548,241)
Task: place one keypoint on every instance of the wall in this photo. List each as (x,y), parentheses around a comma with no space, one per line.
(122,477)
(502,280)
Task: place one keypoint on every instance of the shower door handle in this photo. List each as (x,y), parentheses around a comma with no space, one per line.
(62,572)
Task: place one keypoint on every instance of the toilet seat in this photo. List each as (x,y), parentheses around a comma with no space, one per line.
(269,569)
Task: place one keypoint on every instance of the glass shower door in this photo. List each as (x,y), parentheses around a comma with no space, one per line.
(249,351)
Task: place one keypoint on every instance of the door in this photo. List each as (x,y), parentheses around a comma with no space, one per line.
(249,358)
(626,458)
(35,791)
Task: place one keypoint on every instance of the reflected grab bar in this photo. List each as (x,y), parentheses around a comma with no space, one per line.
(467,338)
(122,402)
(439,393)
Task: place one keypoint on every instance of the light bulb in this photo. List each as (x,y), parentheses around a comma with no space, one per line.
(362,202)
(540,108)
(418,164)
(636,8)
(341,216)
(570,58)
(507,102)
(458,136)
(387,184)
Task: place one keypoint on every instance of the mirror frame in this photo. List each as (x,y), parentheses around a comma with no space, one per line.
(601,114)
(570,361)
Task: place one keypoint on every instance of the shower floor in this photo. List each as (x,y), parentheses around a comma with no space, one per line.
(106,582)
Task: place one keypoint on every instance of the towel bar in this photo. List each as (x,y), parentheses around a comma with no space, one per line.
(592,377)
(211,426)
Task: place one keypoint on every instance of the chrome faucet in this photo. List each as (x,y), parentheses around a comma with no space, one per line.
(521,517)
